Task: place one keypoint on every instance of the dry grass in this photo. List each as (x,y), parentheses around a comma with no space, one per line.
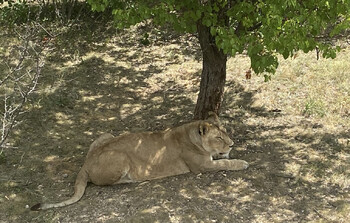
(293,130)
(314,88)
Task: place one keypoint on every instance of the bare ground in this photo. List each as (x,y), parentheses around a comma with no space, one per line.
(109,82)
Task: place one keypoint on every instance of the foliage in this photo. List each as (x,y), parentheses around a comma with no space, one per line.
(262,29)
(14,11)
(62,11)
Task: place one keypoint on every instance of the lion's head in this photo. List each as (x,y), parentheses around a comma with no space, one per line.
(214,138)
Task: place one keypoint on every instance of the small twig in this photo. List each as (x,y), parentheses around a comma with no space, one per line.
(48,33)
(22,78)
(320,215)
(283,175)
(5,79)
(9,147)
(22,157)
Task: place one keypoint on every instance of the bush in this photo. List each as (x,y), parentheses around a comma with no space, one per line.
(14,12)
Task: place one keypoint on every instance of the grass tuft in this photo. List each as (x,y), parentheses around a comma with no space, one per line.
(314,107)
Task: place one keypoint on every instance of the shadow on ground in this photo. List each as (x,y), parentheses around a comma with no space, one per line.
(299,172)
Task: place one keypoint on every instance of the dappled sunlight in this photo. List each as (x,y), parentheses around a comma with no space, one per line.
(299,165)
(183,192)
(91,98)
(293,168)
(158,156)
(139,142)
(89,133)
(51,158)
(129,109)
(103,55)
(63,119)
(310,177)
(151,210)
(296,161)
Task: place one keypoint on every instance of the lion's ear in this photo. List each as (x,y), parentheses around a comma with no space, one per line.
(213,117)
(203,128)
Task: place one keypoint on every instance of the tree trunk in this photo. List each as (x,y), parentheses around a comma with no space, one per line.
(213,75)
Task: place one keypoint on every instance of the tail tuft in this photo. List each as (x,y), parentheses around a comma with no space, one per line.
(36,207)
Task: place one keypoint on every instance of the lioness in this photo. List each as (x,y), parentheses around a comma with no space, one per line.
(144,156)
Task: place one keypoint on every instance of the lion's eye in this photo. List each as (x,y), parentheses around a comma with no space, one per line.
(220,138)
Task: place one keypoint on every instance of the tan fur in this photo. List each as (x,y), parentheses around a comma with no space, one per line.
(144,156)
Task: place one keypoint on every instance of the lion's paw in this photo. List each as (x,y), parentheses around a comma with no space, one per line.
(245,164)
(241,164)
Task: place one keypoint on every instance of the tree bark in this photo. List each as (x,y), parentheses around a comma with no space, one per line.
(213,75)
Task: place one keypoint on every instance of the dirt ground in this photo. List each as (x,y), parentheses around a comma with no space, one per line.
(107,81)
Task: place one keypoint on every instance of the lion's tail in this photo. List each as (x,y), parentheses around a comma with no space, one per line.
(79,189)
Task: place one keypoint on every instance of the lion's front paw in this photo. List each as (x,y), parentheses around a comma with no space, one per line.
(240,165)
(245,164)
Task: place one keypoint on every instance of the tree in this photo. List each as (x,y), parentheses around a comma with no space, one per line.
(262,29)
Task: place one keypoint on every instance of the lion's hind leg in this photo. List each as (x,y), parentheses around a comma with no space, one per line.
(110,168)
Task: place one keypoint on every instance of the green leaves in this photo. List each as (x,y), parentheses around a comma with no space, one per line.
(15,12)
(262,28)
(264,62)
(343,24)
(98,5)
(227,40)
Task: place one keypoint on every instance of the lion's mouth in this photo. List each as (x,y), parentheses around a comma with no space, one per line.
(224,155)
